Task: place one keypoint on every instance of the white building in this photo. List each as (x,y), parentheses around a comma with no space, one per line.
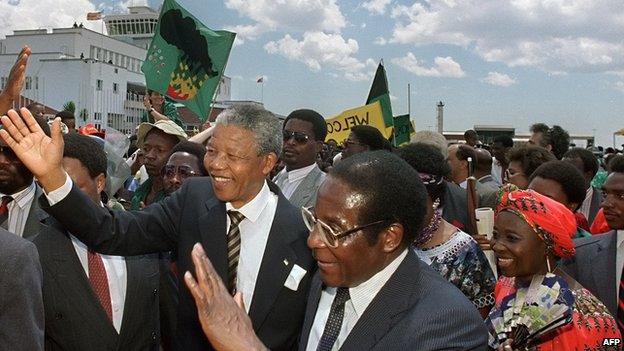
(101,74)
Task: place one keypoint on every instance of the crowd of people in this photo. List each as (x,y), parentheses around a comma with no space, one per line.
(257,234)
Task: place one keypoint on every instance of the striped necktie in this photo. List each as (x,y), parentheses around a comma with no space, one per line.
(334,321)
(233,246)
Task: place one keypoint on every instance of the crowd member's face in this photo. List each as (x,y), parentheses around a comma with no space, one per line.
(553,190)
(14,176)
(519,251)
(180,167)
(515,175)
(156,99)
(300,149)
(237,171)
(578,163)
(71,124)
(459,168)
(500,152)
(471,140)
(613,200)
(353,146)
(37,111)
(81,177)
(156,149)
(354,260)
(536,139)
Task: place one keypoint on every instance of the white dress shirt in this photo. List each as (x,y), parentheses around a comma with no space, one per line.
(19,209)
(294,179)
(116,274)
(254,234)
(619,261)
(586,205)
(464,184)
(497,171)
(361,296)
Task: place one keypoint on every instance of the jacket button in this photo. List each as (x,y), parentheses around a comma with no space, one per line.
(155,291)
(58,315)
(153,335)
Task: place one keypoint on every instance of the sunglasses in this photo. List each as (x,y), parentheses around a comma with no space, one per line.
(300,137)
(170,171)
(328,235)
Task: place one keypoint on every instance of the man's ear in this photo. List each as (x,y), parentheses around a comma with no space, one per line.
(392,237)
(268,162)
(100,182)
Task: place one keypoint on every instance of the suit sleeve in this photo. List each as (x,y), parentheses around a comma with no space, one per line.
(123,233)
(21,302)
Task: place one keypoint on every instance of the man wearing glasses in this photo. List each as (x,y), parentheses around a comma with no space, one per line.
(304,132)
(371,292)
(186,161)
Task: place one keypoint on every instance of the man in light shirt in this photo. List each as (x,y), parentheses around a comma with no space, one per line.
(585,161)
(255,237)
(371,292)
(304,132)
(458,161)
(93,301)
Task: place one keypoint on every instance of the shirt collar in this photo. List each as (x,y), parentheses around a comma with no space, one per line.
(620,237)
(589,192)
(23,197)
(363,294)
(253,208)
(300,173)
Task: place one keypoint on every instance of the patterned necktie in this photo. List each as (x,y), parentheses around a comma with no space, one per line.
(4,210)
(233,246)
(334,321)
(620,307)
(99,282)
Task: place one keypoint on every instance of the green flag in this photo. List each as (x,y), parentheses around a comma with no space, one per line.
(186,59)
(403,129)
(379,92)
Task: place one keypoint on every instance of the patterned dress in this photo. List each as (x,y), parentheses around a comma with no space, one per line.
(591,323)
(462,262)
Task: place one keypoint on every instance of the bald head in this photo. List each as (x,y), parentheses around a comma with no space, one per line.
(484,163)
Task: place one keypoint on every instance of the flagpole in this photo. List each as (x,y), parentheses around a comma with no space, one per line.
(409,102)
(262,91)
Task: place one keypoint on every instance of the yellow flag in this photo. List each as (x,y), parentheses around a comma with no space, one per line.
(338,127)
(620,132)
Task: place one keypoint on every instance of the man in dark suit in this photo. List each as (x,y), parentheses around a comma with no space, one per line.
(21,305)
(255,238)
(599,259)
(371,292)
(585,161)
(304,132)
(119,314)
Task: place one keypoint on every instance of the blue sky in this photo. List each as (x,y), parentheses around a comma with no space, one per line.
(504,62)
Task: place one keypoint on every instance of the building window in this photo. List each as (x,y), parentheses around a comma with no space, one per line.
(98,84)
(115,88)
(28,83)
(97,117)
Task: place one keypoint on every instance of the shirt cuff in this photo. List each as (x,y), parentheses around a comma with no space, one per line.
(56,196)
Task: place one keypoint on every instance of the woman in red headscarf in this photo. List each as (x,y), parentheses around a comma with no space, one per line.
(539,307)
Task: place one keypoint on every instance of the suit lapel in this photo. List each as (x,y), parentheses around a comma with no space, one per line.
(603,269)
(277,261)
(306,188)
(595,204)
(313,300)
(135,276)
(213,231)
(35,216)
(386,309)
(72,280)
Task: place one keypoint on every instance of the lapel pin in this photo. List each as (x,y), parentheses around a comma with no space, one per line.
(285,262)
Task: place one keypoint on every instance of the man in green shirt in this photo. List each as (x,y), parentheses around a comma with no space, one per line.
(158,108)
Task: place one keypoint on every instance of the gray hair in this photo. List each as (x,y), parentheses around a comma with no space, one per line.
(431,138)
(254,118)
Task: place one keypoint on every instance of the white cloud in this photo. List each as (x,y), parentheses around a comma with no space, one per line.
(380,41)
(376,6)
(33,14)
(443,66)
(619,86)
(319,50)
(553,35)
(499,79)
(294,15)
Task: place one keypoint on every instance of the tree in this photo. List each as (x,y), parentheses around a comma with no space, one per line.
(69,106)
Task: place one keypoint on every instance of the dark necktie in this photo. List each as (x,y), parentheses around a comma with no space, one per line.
(334,321)
(620,308)
(99,282)
(233,246)
(4,210)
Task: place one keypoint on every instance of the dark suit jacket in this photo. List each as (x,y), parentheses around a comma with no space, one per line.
(75,319)
(595,205)
(193,214)
(21,305)
(454,210)
(593,267)
(35,216)
(416,309)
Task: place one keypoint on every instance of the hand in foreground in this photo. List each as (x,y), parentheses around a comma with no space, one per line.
(147,103)
(41,154)
(223,319)
(15,81)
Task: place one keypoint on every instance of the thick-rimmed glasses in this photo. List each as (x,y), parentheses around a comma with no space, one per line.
(327,234)
(170,171)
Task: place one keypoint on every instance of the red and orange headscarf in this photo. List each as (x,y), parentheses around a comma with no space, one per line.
(552,221)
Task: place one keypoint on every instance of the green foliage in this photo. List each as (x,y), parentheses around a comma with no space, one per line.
(69,106)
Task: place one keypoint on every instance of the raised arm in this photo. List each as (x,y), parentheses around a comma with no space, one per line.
(15,82)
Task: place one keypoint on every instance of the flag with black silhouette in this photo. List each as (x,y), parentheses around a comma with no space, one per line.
(186,59)
(379,92)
